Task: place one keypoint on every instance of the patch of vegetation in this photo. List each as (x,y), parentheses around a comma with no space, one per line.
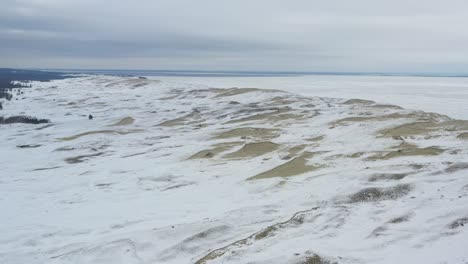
(22,119)
(458,223)
(264,233)
(82,158)
(4,93)
(29,146)
(380,194)
(400,219)
(315,259)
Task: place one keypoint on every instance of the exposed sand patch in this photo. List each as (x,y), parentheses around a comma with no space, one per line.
(169,97)
(410,129)
(194,117)
(406,145)
(277,116)
(237,91)
(355,155)
(273,117)
(244,132)
(269,112)
(133,83)
(380,194)
(219,148)
(346,120)
(293,167)
(253,150)
(296,149)
(429,151)
(280,100)
(358,102)
(315,139)
(385,106)
(379,118)
(174,93)
(100,132)
(286,117)
(455,125)
(463,136)
(456,167)
(421,128)
(125,121)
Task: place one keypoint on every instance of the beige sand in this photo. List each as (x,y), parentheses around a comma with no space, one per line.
(261,116)
(355,155)
(315,139)
(429,151)
(410,129)
(358,102)
(422,128)
(253,150)
(217,149)
(277,116)
(379,118)
(134,83)
(296,149)
(125,121)
(296,166)
(260,133)
(237,91)
(100,132)
(280,100)
(194,117)
(347,120)
(406,145)
(170,97)
(463,136)
(385,106)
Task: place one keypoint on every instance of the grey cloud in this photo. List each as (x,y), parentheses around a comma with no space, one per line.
(361,35)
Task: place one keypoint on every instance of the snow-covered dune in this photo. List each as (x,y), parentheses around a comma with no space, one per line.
(168,172)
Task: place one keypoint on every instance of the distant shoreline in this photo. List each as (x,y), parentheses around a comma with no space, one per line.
(215,73)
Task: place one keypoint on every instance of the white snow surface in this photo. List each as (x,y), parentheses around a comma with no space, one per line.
(132,194)
(444,95)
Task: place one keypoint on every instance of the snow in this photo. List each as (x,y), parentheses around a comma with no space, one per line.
(131,193)
(444,95)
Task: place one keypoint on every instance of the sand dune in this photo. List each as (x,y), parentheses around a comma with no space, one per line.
(236,175)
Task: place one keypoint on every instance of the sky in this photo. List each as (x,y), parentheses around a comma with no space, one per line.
(242,35)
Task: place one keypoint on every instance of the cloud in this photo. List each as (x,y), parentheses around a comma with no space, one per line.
(360,35)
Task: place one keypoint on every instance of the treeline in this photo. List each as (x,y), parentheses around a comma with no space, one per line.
(22,119)
(9,76)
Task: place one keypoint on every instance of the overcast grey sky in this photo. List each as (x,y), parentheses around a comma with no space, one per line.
(293,35)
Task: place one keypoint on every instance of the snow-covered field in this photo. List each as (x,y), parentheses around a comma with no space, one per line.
(445,95)
(168,172)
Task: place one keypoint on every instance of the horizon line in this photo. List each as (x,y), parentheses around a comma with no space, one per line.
(252,72)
